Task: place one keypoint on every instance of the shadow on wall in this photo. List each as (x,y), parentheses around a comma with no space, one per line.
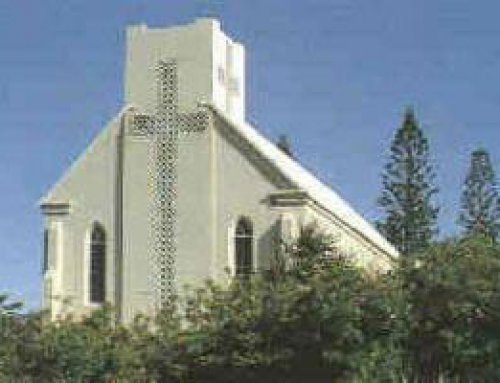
(267,244)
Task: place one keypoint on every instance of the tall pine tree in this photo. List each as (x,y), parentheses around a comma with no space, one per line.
(409,220)
(480,204)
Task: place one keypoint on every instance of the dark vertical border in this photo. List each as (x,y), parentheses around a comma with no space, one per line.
(120,139)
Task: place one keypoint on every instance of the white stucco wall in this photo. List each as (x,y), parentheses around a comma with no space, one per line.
(136,293)
(194,209)
(88,188)
(243,186)
(245,181)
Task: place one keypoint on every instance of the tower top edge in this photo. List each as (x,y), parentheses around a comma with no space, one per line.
(210,22)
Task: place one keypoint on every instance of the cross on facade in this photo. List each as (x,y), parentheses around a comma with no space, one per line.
(162,131)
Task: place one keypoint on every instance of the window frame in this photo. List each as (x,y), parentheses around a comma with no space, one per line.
(93,298)
(243,243)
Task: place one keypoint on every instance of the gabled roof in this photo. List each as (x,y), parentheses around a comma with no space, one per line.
(58,192)
(304,180)
(301,178)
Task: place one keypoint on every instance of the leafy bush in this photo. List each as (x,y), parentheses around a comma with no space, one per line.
(453,292)
(311,317)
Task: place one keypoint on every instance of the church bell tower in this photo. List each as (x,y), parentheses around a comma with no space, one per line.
(210,67)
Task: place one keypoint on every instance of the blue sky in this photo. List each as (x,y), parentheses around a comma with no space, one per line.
(334,75)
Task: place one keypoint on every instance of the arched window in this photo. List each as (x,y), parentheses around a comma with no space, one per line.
(97,274)
(243,241)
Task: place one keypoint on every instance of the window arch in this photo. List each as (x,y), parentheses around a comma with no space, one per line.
(97,264)
(243,245)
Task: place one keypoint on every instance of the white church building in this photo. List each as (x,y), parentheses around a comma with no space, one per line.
(179,187)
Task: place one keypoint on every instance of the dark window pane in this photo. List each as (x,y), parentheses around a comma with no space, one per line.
(98,265)
(243,247)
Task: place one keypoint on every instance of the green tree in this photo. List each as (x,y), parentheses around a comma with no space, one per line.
(8,308)
(11,322)
(480,203)
(314,317)
(453,320)
(410,213)
(284,145)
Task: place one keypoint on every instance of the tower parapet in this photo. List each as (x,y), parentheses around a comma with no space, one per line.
(211,67)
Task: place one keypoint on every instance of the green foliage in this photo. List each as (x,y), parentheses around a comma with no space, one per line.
(284,145)
(480,202)
(91,350)
(9,334)
(453,292)
(313,317)
(410,215)
(8,309)
(293,324)
(308,319)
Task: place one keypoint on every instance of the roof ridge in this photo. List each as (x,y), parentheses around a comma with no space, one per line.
(304,179)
